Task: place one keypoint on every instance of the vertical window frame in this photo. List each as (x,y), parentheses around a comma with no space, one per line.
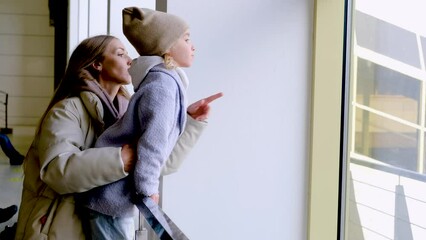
(326,122)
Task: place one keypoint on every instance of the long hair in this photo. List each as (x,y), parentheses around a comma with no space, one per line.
(80,69)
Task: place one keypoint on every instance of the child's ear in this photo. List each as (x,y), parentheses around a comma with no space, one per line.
(97,66)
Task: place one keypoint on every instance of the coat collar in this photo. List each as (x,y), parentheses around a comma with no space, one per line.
(104,109)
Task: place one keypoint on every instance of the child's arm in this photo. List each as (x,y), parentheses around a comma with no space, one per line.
(198,112)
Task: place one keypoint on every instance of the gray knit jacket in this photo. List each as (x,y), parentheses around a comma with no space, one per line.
(154,120)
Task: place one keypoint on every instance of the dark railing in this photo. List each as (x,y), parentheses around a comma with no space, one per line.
(154,224)
(4,101)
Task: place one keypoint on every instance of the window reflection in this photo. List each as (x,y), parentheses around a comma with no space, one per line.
(386,140)
(387,39)
(386,173)
(387,90)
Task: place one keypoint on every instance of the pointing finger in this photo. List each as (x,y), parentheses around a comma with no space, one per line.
(213,97)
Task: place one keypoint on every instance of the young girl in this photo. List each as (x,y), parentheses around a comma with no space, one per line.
(154,121)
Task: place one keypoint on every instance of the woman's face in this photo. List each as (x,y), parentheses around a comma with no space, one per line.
(182,51)
(114,68)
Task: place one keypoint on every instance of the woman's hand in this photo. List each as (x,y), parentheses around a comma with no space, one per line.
(128,156)
(200,109)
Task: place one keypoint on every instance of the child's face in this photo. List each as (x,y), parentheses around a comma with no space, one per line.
(182,51)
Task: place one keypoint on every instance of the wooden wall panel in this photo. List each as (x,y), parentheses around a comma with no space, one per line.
(26,45)
(24,6)
(19,24)
(26,66)
(26,60)
(26,111)
(27,86)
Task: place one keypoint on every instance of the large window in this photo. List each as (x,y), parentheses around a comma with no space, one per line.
(385,195)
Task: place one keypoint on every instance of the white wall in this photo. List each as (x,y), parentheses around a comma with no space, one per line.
(247,177)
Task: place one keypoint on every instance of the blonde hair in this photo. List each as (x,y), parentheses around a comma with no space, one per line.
(80,69)
(169,61)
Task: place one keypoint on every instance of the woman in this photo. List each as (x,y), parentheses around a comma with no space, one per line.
(61,160)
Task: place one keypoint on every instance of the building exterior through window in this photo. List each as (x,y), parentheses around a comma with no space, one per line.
(386,172)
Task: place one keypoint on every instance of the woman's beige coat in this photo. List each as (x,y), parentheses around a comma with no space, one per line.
(61,161)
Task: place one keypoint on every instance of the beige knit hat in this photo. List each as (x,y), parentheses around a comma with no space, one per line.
(152,32)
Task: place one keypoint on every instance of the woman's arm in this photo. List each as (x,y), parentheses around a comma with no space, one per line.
(67,163)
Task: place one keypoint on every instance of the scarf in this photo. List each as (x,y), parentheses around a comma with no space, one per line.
(112,112)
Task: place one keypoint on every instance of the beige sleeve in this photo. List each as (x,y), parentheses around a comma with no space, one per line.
(65,164)
(186,142)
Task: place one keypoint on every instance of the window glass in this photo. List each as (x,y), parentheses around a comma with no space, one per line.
(387,39)
(388,90)
(385,140)
(386,118)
